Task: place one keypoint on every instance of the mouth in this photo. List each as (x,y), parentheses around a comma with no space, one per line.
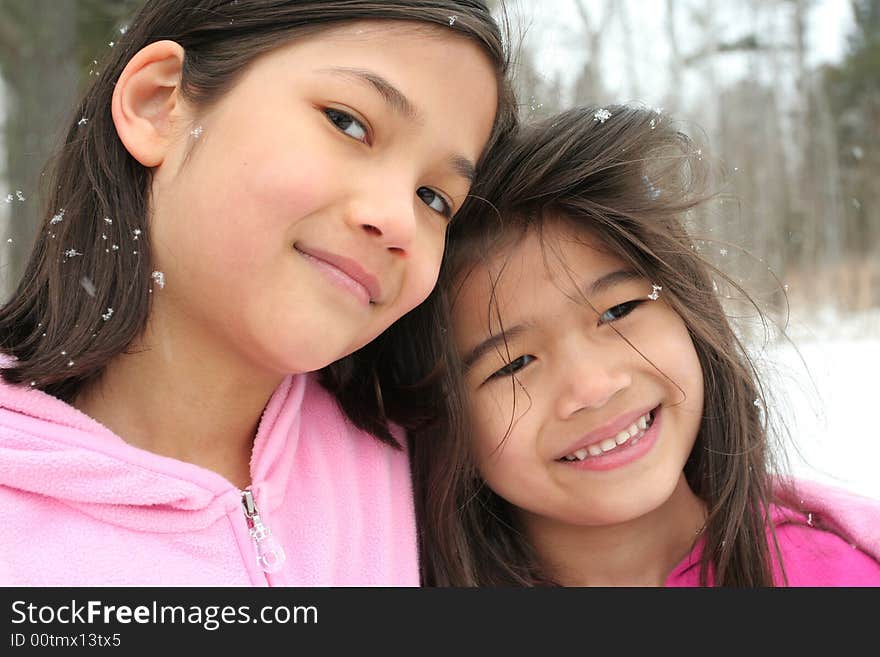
(624,439)
(344,271)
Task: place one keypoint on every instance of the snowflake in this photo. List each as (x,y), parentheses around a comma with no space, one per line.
(452,20)
(655,292)
(602,115)
(58,218)
(723,252)
(107,315)
(19,195)
(72,253)
(159,277)
(197,132)
(87,285)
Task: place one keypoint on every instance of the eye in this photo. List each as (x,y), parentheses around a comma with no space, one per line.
(347,124)
(620,311)
(434,201)
(512,367)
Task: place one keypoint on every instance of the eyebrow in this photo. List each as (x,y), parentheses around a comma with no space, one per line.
(606,282)
(493,342)
(401,105)
(601,284)
(395,98)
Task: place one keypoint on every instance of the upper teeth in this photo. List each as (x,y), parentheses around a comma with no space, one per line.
(634,431)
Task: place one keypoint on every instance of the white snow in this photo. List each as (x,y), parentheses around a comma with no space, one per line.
(831,398)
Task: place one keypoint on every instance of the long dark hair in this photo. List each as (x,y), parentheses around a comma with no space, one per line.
(97,201)
(629,177)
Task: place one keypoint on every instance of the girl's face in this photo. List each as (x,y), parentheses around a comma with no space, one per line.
(306,211)
(599,424)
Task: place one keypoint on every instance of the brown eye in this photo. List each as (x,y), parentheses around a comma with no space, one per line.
(434,201)
(347,124)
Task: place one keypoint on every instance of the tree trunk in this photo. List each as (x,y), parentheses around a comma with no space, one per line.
(41,79)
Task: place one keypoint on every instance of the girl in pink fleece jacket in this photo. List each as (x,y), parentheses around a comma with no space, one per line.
(611,430)
(248,193)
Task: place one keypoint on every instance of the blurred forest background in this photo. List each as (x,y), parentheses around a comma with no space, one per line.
(799,139)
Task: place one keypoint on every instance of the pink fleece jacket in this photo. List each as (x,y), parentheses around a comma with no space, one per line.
(833,541)
(81,507)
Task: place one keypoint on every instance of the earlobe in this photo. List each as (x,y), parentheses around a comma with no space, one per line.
(146,101)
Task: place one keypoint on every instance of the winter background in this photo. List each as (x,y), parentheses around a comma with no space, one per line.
(784,93)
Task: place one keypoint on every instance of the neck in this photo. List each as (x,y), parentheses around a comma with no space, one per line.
(640,552)
(179,394)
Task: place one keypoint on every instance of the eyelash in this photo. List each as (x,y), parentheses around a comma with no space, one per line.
(621,310)
(616,313)
(512,367)
(343,120)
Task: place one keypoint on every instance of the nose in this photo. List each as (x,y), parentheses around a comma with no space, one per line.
(593,377)
(387,214)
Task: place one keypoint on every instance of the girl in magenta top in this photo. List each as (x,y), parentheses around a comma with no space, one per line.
(604,423)
(249,192)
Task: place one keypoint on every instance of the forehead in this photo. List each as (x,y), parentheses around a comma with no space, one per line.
(536,275)
(556,257)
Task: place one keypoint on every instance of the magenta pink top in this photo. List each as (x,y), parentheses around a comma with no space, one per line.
(81,507)
(812,556)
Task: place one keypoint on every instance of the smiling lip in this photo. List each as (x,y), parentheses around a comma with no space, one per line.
(349,268)
(609,430)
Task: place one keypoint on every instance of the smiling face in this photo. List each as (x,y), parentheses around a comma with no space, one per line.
(306,211)
(598,424)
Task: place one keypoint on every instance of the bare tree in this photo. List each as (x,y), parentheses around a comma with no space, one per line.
(589,87)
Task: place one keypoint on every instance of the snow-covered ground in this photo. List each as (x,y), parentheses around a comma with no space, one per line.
(829,398)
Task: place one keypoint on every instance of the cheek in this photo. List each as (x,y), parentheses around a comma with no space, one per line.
(497,437)
(684,367)
(422,270)
(280,194)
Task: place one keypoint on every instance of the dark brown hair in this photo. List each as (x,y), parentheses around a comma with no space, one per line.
(627,176)
(88,257)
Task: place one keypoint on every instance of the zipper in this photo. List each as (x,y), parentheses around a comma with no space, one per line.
(270,554)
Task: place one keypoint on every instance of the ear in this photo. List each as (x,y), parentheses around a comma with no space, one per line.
(146,101)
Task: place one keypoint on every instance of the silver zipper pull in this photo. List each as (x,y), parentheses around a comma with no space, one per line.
(270,554)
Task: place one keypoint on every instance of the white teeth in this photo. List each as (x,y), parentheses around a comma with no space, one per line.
(633,433)
(608,444)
